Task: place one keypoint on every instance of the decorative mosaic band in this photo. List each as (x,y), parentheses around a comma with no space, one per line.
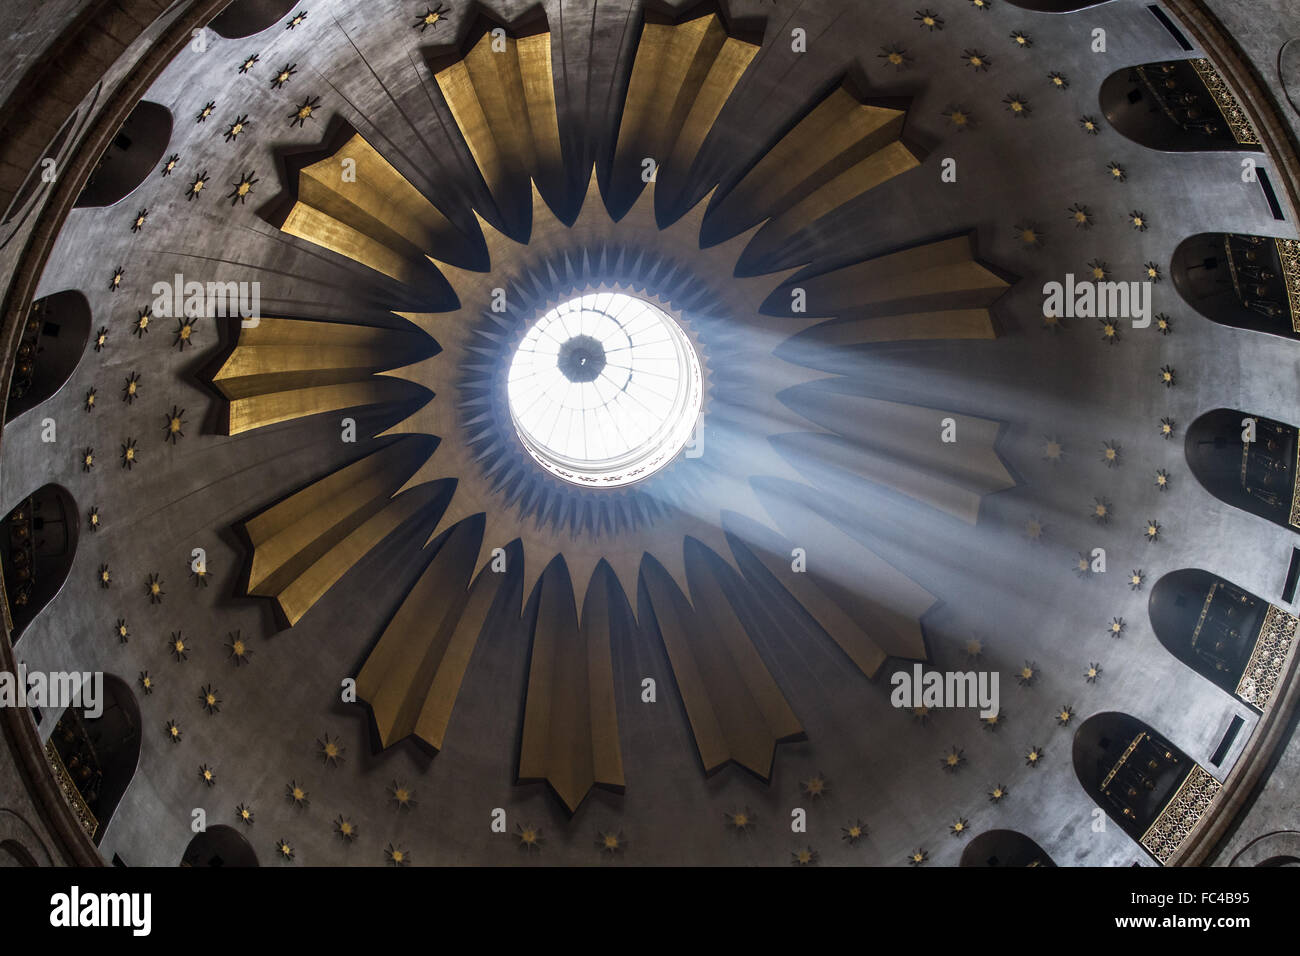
(70,791)
(1288,253)
(1264,669)
(1181,815)
(1233,114)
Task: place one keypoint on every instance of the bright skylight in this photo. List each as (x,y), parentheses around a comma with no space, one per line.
(605,390)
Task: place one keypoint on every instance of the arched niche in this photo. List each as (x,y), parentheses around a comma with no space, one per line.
(219,845)
(1258,476)
(1004,848)
(38,540)
(243,18)
(1238,280)
(1130,770)
(52,343)
(97,756)
(1231,637)
(13,853)
(1167,106)
(1055,6)
(134,153)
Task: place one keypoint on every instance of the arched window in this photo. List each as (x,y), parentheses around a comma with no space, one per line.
(1171,106)
(96,757)
(1241,281)
(37,542)
(1256,475)
(1133,773)
(243,18)
(52,344)
(1231,637)
(134,153)
(219,845)
(1004,848)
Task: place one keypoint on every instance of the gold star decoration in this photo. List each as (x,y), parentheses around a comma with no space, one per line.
(153,587)
(122,631)
(105,576)
(184,334)
(610,841)
(304,111)
(929,20)
(1116,626)
(1034,756)
(816,786)
(1082,565)
(1162,479)
(173,731)
(101,339)
(896,56)
(142,324)
(244,814)
(974,648)
(1135,579)
(237,127)
(1167,426)
(959,117)
(1101,510)
(249,63)
(921,714)
(1053,450)
(402,796)
(237,648)
(1030,234)
(90,400)
(1017,104)
(196,187)
(204,113)
(1058,80)
(805,857)
(1109,331)
(1065,715)
(1110,453)
(1092,673)
(298,17)
(283,76)
(953,759)
(177,646)
(1027,674)
(1089,125)
(741,820)
(431,17)
(170,165)
(396,856)
(1152,530)
(1138,221)
(207,775)
(1022,39)
(1164,324)
(977,60)
(138,223)
(994,721)
(173,429)
(330,751)
(1152,272)
(242,188)
(199,575)
(209,699)
(998,793)
(918,856)
(1081,215)
(959,827)
(981,5)
(529,838)
(1099,269)
(131,388)
(851,833)
(93,518)
(296,795)
(116,282)
(146,682)
(283,850)
(1167,378)
(345,828)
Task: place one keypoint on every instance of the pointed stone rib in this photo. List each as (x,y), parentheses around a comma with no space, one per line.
(504,104)
(570,732)
(305,543)
(887,603)
(682,76)
(937,276)
(735,708)
(284,369)
(414,674)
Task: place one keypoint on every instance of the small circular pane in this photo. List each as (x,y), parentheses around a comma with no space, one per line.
(605,390)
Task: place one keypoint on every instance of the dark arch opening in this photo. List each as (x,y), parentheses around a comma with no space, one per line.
(38,540)
(1235,280)
(132,156)
(1055,6)
(243,18)
(35,178)
(1128,769)
(1208,623)
(1004,848)
(1280,861)
(13,853)
(100,754)
(1166,106)
(52,343)
(1256,476)
(219,845)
